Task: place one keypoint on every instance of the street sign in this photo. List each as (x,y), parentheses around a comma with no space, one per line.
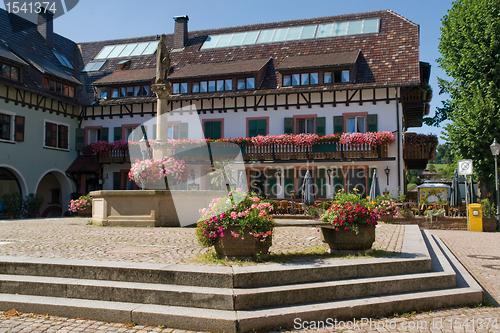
(465,167)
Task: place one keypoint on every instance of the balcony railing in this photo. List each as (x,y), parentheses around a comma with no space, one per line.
(270,152)
(419,150)
(114,156)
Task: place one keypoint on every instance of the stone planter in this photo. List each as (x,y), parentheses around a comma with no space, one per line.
(87,212)
(347,239)
(236,247)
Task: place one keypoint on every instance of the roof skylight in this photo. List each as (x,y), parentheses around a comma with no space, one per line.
(94,66)
(127,50)
(347,28)
(63,60)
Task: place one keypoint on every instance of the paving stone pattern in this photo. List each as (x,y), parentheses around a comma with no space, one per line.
(72,238)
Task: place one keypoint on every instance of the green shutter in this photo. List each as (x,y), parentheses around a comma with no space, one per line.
(117,181)
(338,124)
(262,126)
(289,183)
(213,130)
(183,128)
(80,139)
(257,127)
(272,183)
(320,126)
(217,130)
(252,128)
(104,134)
(372,123)
(117,133)
(321,183)
(338,180)
(288,125)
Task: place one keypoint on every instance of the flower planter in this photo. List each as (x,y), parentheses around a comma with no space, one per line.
(87,212)
(348,239)
(238,247)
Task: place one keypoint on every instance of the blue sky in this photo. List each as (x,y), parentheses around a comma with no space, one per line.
(93,20)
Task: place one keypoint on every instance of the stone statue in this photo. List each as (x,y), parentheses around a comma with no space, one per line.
(162,61)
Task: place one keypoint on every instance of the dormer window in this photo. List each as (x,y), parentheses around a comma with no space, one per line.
(127,91)
(248,83)
(10,72)
(58,87)
(337,76)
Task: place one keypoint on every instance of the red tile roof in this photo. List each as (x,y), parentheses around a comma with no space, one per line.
(127,76)
(218,69)
(318,60)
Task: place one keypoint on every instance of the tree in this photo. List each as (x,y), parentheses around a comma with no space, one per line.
(444,154)
(470,49)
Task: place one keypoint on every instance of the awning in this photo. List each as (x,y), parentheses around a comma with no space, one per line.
(84,164)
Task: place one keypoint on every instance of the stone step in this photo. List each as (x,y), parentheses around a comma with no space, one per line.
(222,298)
(273,312)
(414,259)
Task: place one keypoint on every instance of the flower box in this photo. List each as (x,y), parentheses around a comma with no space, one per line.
(348,240)
(243,246)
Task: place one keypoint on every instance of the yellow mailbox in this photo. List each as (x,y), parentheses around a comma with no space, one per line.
(475,217)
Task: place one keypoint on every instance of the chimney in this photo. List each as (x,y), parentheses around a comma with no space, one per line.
(45,26)
(181,31)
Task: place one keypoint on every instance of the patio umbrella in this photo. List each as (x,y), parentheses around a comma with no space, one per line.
(374,188)
(455,197)
(307,191)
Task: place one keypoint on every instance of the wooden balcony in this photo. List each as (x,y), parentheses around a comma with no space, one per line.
(114,156)
(417,157)
(274,152)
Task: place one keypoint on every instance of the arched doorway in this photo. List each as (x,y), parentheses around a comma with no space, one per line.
(56,190)
(9,183)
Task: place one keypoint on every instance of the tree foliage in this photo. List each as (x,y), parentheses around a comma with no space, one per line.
(470,49)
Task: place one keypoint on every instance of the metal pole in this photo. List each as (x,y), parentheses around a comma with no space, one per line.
(496,183)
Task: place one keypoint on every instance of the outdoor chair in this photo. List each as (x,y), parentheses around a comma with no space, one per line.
(298,208)
(283,207)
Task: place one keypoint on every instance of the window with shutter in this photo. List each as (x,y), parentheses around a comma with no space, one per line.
(213,129)
(56,135)
(257,127)
(338,124)
(5,126)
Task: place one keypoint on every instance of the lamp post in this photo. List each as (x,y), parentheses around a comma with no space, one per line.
(329,173)
(143,145)
(495,150)
(387,172)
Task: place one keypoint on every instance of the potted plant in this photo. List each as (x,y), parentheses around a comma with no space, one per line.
(13,202)
(153,173)
(386,207)
(32,204)
(352,222)
(82,206)
(239,225)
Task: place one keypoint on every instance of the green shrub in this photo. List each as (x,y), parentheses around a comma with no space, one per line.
(489,209)
(31,205)
(13,202)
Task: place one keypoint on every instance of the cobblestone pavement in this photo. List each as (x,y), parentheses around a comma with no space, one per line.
(72,238)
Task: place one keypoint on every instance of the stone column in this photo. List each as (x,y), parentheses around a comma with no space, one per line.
(162,91)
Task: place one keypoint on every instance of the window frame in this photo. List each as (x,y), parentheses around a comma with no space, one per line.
(304,116)
(355,115)
(12,126)
(58,138)
(248,119)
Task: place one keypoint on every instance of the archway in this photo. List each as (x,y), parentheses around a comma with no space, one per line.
(55,188)
(10,182)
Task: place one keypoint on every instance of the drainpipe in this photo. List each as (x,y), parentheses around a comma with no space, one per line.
(399,141)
